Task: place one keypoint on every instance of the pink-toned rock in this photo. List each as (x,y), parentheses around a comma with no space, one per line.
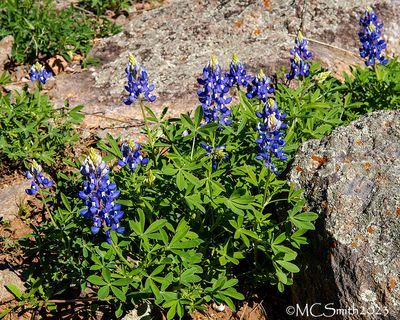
(9,277)
(5,50)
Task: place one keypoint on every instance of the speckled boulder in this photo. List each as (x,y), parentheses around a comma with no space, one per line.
(352,179)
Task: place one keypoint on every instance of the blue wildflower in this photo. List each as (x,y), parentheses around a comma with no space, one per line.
(131,155)
(299,66)
(137,82)
(370,37)
(212,97)
(99,195)
(217,154)
(237,73)
(260,87)
(38,179)
(38,73)
(270,141)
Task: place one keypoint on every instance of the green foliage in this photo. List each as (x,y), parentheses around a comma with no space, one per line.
(101,6)
(40,30)
(314,108)
(54,264)
(32,129)
(5,78)
(192,235)
(376,88)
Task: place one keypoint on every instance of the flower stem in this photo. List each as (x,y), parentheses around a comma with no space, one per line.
(193,144)
(42,198)
(119,253)
(148,131)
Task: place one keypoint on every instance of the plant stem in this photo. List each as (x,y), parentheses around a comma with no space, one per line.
(46,208)
(119,253)
(193,144)
(146,124)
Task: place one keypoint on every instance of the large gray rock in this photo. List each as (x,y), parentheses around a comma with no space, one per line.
(352,179)
(175,41)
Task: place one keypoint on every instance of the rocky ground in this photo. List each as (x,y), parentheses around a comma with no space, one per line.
(174,42)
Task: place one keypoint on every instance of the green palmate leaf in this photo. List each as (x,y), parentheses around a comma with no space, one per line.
(186,244)
(106,275)
(154,289)
(225,299)
(65,202)
(180,181)
(191,178)
(16,292)
(172,310)
(194,201)
(288,266)
(76,115)
(187,122)
(231,292)
(169,170)
(279,239)
(126,203)
(118,293)
(155,226)
(190,276)
(6,312)
(298,239)
(157,270)
(103,293)
(153,117)
(96,280)
(198,116)
(281,276)
(208,129)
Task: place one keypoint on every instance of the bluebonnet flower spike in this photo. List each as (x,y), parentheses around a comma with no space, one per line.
(299,66)
(370,37)
(137,82)
(270,141)
(132,156)
(99,195)
(38,179)
(38,73)
(260,87)
(217,154)
(237,73)
(212,96)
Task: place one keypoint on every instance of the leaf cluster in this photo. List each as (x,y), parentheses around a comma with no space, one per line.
(375,88)
(194,234)
(99,7)
(192,231)
(39,30)
(31,128)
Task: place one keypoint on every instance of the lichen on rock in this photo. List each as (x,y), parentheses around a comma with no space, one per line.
(356,248)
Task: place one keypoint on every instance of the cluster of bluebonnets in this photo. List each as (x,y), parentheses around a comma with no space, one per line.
(216,153)
(270,141)
(131,155)
(371,40)
(99,193)
(37,72)
(213,97)
(137,82)
(39,181)
(299,66)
